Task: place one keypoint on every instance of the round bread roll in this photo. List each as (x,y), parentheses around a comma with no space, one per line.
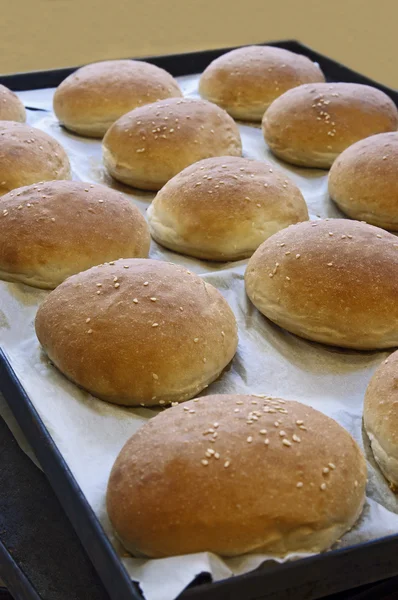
(56,229)
(381,418)
(223,208)
(151,144)
(95,96)
(312,124)
(11,107)
(138,332)
(245,81)
(333,281)
(363,180)
(28,155)
(206,476)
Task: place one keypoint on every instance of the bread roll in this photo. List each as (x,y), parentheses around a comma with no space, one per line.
(223,208)
(95,96)
(245,81)
(138,332)
(207,476)
(381,418)
(333,281)
(151,144)
(363,180)
(56,229)
(312,124)
(11,107)
(28,155)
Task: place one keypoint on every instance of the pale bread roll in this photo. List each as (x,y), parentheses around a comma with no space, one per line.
(223,208)
(151,144)
(55,229)
(312,124)
(96,95)
(28,155)
(138,332)
(363,180)
(11,107)
(245,81)
(333,281)
(236,475)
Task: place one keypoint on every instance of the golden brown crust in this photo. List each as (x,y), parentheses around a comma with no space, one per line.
(28,155)
(381,417)
(169,494)
(363,180)
(312,124)
(149,145)
(156,333)
(11,107)
(52,230)
(96,95)
(333,281)
(223,208)
(245,81)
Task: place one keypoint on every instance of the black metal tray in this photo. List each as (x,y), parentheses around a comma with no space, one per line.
(307,579)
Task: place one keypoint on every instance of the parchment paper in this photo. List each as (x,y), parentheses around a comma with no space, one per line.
(90,433)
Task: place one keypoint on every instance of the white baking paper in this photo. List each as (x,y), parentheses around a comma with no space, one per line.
(90,433)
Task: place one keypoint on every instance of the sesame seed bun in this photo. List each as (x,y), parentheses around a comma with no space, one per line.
(236,475)
(28,155)
(138,332)
(11,107)
(95,96)
(55,229)
(223,208)
(333,281)
(149,145)
(312,124)
(363,180)
(245,81)
(381,418)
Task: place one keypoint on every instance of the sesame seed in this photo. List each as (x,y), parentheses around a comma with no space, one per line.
(210,451)
(384,157)
(117,285)
(204,462)
(299,484)
(259,205)
(98,292)
(276,422)
(239,402)
(192,411)
(282,433)
(299,422)
(266,441)
(156,377)
(331,233)
(145,282)
(181,308)
(286,442)
(325,470)
(226,464)
(378,235)
(302,428)
(135,300)
(298,255)
(160,401)
(249,439)
(216,425)
(323,487)
(296,438)
(356,483)
(288,278)
(330,264)
(236,410)
(185,408)
(155,324)
(263,432)
(204,359)
(216,455)
(90,331)
(153,299)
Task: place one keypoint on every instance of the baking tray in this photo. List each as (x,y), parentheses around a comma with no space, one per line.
(306,579)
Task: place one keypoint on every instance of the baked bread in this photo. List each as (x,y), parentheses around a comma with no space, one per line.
(11,107)
(28,155)
(312,124)
(363,180)
(245,81)
(95,96)
(236,475)
(56,229)
(223,208)
(138,332)
(333,281)
(149,145)
(381,418)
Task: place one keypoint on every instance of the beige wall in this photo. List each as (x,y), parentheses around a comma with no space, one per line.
(43,34)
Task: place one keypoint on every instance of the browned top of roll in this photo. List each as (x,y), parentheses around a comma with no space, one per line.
(245,81)
(28,155)
(151,144)
(236,474)
(11,107)
(96,95)
(333,281)
(52,230)
(315,122)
